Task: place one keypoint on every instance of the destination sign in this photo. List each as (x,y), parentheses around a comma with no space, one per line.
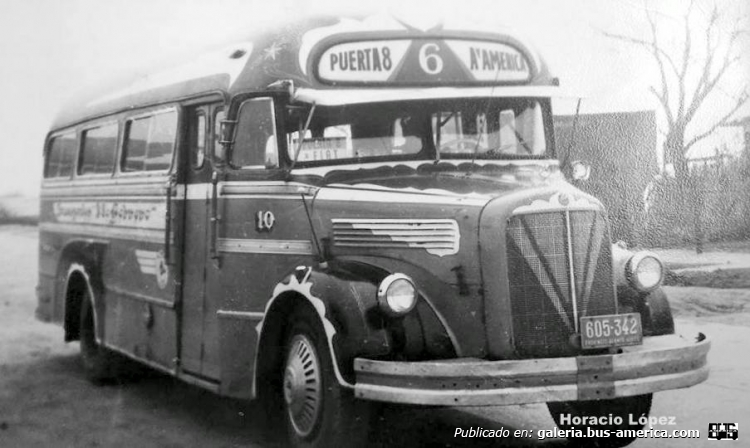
(423,61)
(362,61)
(328,148)
(489,61)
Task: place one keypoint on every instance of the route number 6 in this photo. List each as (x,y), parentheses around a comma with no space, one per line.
(430,60)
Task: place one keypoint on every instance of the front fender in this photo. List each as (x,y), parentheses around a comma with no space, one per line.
(344,299)
(656,314)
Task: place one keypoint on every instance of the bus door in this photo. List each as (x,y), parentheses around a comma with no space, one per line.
(262,235)
(198,326)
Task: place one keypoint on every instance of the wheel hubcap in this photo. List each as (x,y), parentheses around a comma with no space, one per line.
(302,388)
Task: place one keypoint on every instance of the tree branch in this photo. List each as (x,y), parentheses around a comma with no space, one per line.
(664,101)
(677,75)
(685,63)
(644,43)
(707,66)
(706,84)
(726,119)
(709,87)
(656,51)
(659,56)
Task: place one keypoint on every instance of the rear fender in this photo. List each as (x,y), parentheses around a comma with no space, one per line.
(78,278)
(77,267)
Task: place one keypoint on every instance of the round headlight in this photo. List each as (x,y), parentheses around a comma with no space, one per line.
(580,170)
(645,271)
(397,294)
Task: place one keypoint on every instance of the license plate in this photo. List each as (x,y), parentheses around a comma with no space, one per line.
(611,330)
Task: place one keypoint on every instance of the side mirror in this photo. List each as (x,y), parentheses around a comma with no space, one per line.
(579,171)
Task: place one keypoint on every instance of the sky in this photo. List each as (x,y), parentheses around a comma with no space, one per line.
(50,49)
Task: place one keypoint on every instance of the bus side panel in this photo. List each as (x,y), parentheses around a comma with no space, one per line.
(237,359)
(140,313)
(139,282)
(53,264)
(118,228)
(49,298)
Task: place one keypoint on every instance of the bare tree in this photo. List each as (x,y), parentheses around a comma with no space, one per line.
(688,76)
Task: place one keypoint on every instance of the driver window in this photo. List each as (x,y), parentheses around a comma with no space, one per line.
(255,137)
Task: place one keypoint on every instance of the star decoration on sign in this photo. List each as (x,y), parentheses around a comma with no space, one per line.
(272,51)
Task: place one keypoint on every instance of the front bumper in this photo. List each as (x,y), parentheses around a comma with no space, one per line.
(660,363)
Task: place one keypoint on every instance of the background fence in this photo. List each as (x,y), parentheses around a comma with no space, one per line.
(722,205)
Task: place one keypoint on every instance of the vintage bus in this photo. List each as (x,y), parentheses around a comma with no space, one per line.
(349,211)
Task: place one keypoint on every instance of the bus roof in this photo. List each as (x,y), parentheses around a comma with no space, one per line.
(330,53)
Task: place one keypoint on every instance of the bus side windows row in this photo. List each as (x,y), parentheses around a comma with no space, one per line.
(149,143)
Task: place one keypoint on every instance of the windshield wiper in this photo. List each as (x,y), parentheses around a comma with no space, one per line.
(302,134)
(523,143)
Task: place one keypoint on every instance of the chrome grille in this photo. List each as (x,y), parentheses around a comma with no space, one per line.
(559,269)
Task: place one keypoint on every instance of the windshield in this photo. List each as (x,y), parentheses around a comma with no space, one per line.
(478,128)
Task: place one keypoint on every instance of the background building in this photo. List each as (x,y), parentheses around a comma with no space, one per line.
(621,150)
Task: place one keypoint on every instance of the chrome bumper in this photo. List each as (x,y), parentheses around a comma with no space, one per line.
(661,363)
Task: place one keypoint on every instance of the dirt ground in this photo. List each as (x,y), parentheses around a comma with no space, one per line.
(45,400)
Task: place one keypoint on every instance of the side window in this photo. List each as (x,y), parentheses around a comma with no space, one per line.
(197,139)
(161,141)
(61,156)
(255,137)
(99,149)
(218,149)
(134,152)
(149,142)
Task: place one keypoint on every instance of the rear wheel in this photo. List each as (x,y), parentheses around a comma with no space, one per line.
(99,363)
(317,411)
(624,410)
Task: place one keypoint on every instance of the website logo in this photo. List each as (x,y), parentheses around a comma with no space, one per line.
(723,431)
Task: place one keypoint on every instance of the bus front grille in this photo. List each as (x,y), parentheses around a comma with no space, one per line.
(559,269)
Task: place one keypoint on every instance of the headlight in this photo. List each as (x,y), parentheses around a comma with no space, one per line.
(644,271)
(397,295)
(580,170)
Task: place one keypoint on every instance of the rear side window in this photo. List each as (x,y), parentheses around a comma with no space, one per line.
(99,149)
(61,156)
(149,142)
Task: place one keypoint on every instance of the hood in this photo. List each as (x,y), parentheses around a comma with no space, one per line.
(433,222)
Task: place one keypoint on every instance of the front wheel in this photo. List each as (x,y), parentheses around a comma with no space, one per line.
(616,414)
(318,412)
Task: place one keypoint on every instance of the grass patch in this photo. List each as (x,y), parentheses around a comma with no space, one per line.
(720,278)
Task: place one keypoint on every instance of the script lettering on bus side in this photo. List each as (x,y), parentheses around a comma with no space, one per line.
(124,214)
